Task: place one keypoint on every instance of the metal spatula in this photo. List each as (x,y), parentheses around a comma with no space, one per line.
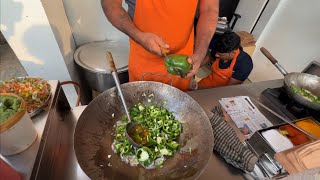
(116,79)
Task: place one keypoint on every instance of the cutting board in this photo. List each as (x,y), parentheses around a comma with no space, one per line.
(300,158)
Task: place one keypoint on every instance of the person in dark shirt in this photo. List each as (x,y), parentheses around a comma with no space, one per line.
(231,66)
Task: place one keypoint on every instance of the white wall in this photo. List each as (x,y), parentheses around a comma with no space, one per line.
(26,28)
(57,18)
(265,17)
(89,23)
(292,35)
(250,10)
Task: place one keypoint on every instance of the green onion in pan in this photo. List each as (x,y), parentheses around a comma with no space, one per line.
(163,131)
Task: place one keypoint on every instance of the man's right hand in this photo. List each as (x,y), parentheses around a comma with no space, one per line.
(152,43)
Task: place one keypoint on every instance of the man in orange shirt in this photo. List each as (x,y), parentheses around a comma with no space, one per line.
(155,24)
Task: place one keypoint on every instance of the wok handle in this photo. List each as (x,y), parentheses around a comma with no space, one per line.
(268,55)
(111,62)
(273,60)
(117,82)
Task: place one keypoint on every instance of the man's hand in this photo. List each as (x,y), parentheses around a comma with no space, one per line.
(152,43)
(195,60)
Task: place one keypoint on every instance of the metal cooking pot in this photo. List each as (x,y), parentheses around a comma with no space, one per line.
(93,134)
(299,80)
(91,57)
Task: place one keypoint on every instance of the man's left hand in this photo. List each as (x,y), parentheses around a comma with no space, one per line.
(195,60)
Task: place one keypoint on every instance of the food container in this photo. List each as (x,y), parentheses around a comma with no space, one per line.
(261,146)
(18,132)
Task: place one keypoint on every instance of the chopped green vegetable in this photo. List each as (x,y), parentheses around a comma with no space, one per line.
(118,147)
(151,140)
(163,131)
(141,108)
(164,151)
(10,106)
(144,156)
(173,145)
(159,140)
(159,163)
(307,94)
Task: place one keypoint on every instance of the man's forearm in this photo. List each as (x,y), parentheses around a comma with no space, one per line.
(120,19)
(206,26)
(206,60)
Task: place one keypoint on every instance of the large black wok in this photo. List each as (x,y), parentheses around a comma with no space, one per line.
(299,80)
(93,134)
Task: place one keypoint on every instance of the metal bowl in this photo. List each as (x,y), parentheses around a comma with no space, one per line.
(93,134)
(43,106)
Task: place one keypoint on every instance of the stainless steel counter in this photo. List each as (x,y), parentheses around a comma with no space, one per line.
(217,168)
(54,157)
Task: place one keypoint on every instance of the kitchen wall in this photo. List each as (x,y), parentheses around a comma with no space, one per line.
(249,11)
(292,35)
(59,23)
(88,22)
(255,14)
(57,18)
(266,14)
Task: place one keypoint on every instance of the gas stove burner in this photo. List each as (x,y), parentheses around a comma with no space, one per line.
(296,108)
(280,101)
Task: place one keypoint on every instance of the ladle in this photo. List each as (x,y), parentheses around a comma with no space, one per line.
(117,82)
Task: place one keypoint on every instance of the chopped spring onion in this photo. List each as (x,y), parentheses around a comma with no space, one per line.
(163,132)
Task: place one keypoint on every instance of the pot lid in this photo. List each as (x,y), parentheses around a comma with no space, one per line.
(92,56)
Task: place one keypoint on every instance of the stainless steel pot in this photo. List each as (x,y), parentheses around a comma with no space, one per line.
(94,71)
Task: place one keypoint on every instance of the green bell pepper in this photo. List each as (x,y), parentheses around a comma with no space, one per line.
(177,64)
